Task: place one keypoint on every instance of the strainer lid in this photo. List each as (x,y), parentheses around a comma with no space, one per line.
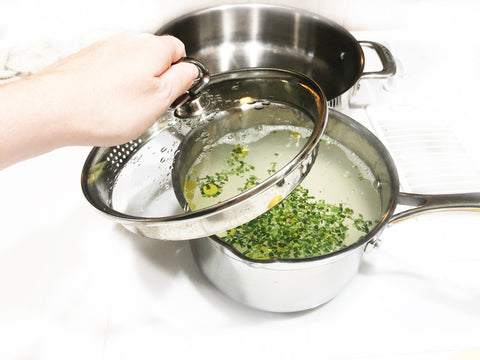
(132,183)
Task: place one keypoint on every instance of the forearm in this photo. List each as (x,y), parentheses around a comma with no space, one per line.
(29,124)
(106,94)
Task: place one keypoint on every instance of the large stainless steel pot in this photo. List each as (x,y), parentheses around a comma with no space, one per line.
(299,284)
(253,35)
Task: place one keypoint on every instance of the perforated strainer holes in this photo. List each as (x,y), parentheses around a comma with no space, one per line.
(122,153)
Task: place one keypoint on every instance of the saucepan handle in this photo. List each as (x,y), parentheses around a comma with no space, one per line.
(430,203)
(389,67)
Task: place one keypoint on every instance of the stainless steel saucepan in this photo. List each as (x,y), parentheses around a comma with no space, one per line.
(256,35)
(300,284)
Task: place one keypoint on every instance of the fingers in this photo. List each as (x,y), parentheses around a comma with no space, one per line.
(176,80)
(172,80)
(166,50)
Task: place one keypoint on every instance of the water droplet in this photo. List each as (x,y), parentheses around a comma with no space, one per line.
(259,107)
(235,87)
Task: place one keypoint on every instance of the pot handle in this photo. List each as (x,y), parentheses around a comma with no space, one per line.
(430,203)
(387,59)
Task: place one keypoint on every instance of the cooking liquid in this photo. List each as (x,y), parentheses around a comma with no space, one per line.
(338,175)
(246,157)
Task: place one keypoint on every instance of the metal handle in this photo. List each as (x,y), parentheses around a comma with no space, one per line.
(191,103)
(387,59)
(430,203)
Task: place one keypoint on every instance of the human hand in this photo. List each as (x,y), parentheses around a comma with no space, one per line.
(106,94)
(113,90)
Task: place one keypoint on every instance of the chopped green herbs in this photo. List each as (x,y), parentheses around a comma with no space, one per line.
(297,227)
(360,175)
(251,182)
(212,186)
(295,134)
(272,169)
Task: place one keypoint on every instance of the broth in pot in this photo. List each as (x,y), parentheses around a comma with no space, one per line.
(335,205)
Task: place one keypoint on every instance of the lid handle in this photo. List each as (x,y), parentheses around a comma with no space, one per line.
(192,103)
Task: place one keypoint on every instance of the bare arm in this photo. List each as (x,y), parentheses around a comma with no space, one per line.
(106,94)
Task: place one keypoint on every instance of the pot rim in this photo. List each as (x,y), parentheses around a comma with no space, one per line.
(348,86)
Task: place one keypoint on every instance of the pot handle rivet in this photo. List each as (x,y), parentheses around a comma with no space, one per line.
(372,244)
